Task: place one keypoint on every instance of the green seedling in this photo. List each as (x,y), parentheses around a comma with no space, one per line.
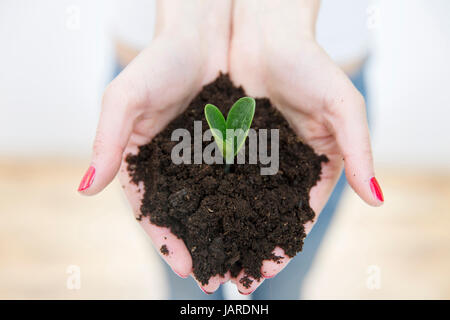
(230,134)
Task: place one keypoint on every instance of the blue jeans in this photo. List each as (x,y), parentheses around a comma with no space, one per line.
(288,283)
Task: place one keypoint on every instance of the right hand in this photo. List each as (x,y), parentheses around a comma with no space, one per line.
(273,54)
(189,50)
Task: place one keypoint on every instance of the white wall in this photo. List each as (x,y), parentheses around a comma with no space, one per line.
(410,83)
(52,74)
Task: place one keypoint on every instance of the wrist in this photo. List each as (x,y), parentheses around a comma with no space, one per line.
(278,19)
(200,18)
(201,28)
(291,19)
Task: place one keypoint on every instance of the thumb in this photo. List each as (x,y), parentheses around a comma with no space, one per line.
(349,123)
(113,132)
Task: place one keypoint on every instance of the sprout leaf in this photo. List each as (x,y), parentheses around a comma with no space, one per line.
(230,135)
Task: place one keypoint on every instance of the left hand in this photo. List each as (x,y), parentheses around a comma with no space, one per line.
(188,51)
(273,54)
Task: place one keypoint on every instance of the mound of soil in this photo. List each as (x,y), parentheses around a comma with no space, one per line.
(229,221)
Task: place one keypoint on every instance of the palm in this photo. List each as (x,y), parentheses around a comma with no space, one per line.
(311,92)
(169,75)
(302,82)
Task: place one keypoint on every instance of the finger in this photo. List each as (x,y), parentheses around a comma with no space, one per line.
(212,285)
(171,248)
(247,284)
(113,133)
(322,191)
(348,122)
(225,278)
(142,86)
(270,268)
(319,196)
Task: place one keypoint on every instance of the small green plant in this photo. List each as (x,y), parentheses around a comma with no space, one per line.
(230,135)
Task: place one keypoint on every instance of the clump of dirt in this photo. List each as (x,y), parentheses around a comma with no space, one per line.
(229,221)
(164,250)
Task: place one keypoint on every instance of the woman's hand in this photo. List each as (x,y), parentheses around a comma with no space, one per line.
(273,54)
(189,49)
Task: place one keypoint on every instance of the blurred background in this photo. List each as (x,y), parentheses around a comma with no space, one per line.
(57,57)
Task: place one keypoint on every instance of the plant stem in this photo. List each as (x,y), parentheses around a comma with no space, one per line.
(227,168)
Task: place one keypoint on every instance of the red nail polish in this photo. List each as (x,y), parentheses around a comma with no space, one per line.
(205,291)
(180,275)
(244,294)
(376,190)
(87,179)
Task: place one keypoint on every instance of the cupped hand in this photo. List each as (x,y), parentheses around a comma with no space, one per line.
(273,54)
(270,55)
(151,91)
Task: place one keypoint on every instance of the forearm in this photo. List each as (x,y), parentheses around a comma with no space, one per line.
(205,24)
(200,16)
(278,18)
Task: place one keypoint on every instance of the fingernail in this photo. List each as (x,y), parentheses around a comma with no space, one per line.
(180,275)
(245,293)
(376,190)
(87,179)
(205,291)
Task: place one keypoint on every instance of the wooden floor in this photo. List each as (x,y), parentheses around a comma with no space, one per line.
(398,251)
(47,231)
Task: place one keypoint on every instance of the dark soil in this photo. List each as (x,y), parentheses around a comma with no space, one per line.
(228,221)
(164,250)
